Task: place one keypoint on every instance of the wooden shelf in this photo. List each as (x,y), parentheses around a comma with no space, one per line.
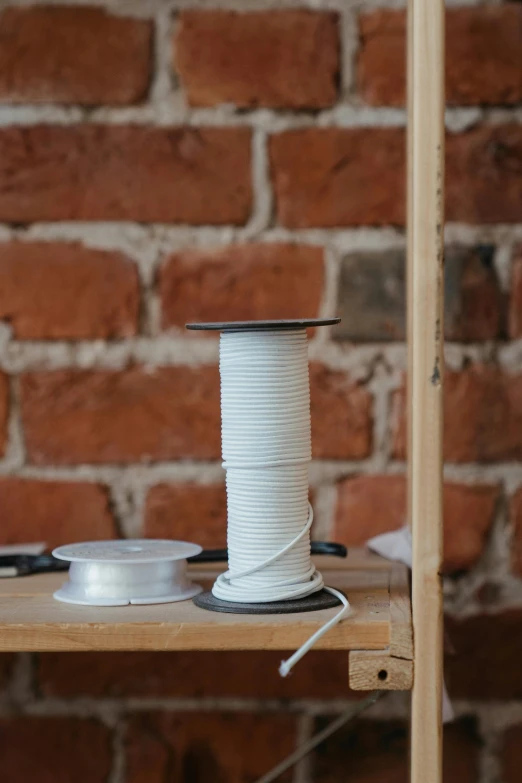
(32,620)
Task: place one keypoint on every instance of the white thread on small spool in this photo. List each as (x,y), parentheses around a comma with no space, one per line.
(117,573)
(266,442)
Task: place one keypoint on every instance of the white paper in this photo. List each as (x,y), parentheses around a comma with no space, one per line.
(23,549)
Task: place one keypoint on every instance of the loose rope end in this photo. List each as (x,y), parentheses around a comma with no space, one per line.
(287,666)
(284,669)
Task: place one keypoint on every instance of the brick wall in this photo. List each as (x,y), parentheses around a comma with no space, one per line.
(165,160)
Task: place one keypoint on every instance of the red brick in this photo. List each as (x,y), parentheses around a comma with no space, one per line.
(511,754)
(381,59)
(515,304)
(469,513)
(486,661)
(516,522)
(231,747)
(483,183)
(54,750)
(134,415)
(370,505)
(4,411)
(58,512)
(355,176)
(341,412)
(242,282)
(483,61)
(105,416)
(277,58)
(377,752)
(65,291)
(73,55)
(339,177)
(114,172)
(482,416)
(7,661)
(188,512)
(244,674)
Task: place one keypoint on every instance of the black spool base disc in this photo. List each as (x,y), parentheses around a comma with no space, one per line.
(259,326)
(310,603)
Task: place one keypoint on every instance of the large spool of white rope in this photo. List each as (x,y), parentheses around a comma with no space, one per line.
(266,446)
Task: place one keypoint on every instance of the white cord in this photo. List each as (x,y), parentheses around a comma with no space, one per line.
(317,739)
(266,437)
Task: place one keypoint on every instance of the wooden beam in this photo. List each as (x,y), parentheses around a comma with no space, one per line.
(425,337)
(390,669)
(378,670)
(409,236)
(401,636)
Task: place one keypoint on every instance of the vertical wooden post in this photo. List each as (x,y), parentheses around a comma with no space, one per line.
(426,372)
(409,231)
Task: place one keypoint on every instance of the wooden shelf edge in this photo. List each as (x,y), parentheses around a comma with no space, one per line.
(32,621)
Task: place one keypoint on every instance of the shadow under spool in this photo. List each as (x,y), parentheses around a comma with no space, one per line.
(310,603)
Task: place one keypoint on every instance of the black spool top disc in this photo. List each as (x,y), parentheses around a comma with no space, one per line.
(257,326)
(310,603)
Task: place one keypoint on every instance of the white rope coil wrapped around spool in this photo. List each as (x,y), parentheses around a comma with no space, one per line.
(266,443)
(117,573)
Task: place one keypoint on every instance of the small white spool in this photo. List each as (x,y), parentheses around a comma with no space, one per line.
(117,573)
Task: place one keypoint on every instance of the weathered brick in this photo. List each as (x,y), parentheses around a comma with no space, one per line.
(188,512)
(242,282)
(205,746)
(73,55)
(473,301)
(279,59)
(339,177)
(377,752)
(116,172)
(53,290)
(58,512)
(482,416)
(515,303)
(341,413)
(516,522)
(243,674)
(355,176)
(372,296)
(511,754)
(134,415)
(483,60)
(486,661)
(370,505)
(54,750)
(4,411)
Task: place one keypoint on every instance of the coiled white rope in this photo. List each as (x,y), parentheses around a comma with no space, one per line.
(266,437)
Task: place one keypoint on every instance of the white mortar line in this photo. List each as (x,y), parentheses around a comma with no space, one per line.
(261,189)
